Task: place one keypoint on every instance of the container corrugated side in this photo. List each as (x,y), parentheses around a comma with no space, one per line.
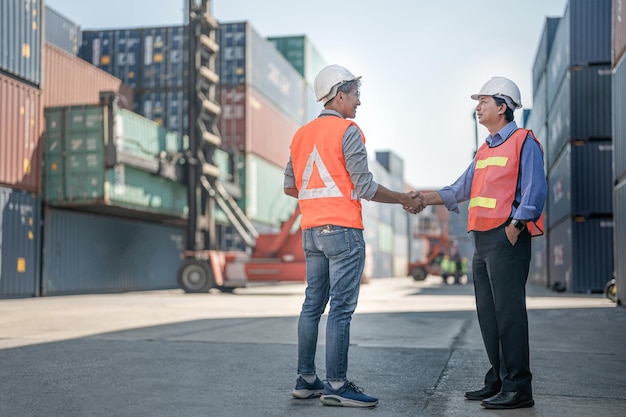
(619,31)
(21,125)
(21,39)
(301,53)
(168,107)
(69,80)
(580,182)
(250,123)
(165,57)
(538,273)
(583,38)
(619,237)
(581,254)
(543,50)
(62,32)
(619,121)
(20,243)
(88,253)
(582,109)
(265,201)
(246,58)
(117,52)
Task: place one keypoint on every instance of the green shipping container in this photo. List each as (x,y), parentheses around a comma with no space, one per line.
(75,173)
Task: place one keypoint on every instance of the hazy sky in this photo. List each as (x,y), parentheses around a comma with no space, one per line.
(420,60)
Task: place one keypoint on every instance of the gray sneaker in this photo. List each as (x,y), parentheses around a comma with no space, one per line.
(349,395)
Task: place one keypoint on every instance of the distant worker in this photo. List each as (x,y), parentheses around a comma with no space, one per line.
(506,189)
(328,173)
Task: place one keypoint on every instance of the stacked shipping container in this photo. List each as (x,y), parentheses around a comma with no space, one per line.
(572,116)
(618,56)
(21,115)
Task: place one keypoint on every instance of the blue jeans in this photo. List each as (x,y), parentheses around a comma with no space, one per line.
(335,257)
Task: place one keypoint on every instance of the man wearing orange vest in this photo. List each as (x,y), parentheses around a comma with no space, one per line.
(506,189)
(328,173)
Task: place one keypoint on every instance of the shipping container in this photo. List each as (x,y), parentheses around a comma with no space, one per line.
(79,173)
(543,50)
(69,80)
(580,182)
(117,52)
(21,39)
(88,253)
(301,54)
(581,109)
(265,201)
(619,239)
(62,32)
(165,57)
(252,124)
(619,31)
(619,121)
(313,108)
(581,254)
(583,38)
(538,273)
(20,243)
(245,58)
(539,113)
(20,131)
(167,107)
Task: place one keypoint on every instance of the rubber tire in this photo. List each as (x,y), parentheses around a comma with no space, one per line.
(419,274)
(195,276)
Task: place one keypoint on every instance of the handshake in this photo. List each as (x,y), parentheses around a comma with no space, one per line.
(415,203)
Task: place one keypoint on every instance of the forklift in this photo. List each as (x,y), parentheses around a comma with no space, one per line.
(269,257)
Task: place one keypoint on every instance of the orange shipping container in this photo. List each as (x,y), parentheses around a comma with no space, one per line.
(69,80)
(21,124)
(252,125)
(619,30)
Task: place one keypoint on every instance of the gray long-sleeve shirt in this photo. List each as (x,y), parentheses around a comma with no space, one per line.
(355,155)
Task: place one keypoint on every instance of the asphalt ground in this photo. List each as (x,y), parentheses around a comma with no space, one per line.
(414,345)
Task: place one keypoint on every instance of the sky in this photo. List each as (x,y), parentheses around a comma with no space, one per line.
(420,60)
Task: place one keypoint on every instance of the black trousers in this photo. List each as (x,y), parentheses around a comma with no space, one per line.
(500,271)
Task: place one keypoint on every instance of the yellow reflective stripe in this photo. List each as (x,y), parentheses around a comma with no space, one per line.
(491,161)
(482,202)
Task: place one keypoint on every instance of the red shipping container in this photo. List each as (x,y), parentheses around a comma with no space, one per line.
(21,124)
(252,125)
(619,30)
(69,80)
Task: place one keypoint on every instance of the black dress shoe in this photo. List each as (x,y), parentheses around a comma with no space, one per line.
(509,399)
(482,394)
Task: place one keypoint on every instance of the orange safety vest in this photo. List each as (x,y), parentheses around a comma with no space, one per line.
(496,172)
(326,194)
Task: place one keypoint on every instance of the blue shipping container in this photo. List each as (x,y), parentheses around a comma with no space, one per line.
(543,50)
(583,38)
(580,182)
(114,51)
(619,121)
(21,39)
(87,253)
(581,254)
(20,243)
(581,109)
(619,238)
(62,32)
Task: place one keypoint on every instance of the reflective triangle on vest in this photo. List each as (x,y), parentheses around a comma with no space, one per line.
(330,188)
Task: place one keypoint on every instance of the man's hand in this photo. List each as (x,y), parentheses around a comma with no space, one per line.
(416,202)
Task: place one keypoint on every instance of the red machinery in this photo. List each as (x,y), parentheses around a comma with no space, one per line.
(274,257)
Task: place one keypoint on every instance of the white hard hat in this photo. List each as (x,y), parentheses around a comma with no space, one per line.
(328,79)
(502,88)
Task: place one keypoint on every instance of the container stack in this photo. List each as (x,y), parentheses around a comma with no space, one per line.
(21,124)
(262,99)
(153,61)
(619,145)
(572,118)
